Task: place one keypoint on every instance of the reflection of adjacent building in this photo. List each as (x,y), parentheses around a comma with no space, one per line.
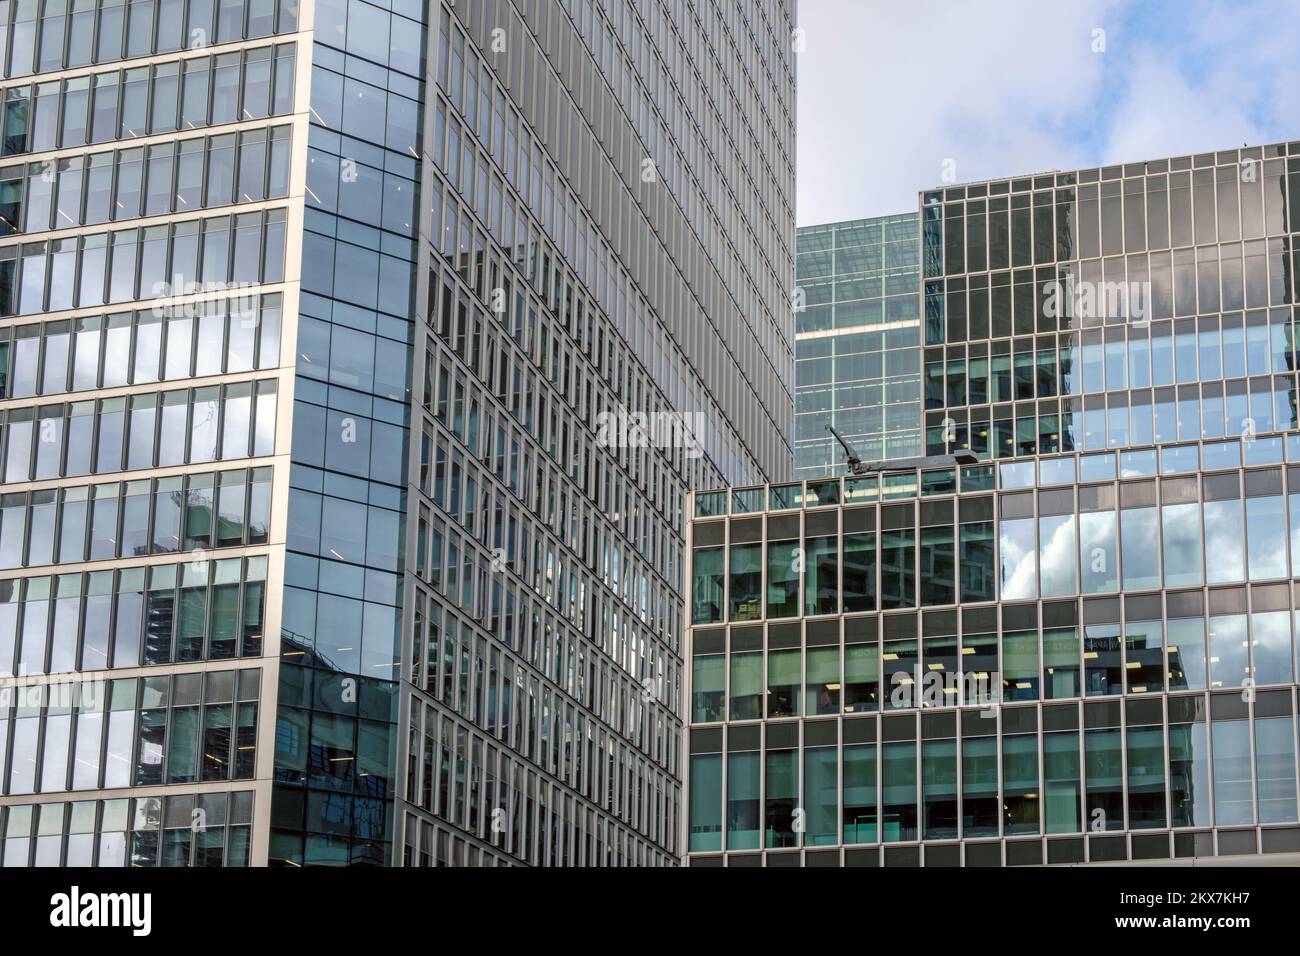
(1139,304)
(952,666)
(346,765)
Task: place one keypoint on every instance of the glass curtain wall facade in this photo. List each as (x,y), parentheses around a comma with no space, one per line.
(583,160)
(339,706)
(310,322)
(857,342)
(1076,659)
(150,203)
(1140,304)
(1081,649)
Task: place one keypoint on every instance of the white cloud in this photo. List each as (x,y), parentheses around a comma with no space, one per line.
(888,92)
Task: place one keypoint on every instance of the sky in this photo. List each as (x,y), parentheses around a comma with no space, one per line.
(897,96)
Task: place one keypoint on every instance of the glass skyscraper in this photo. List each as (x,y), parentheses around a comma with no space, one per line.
(1146,303)
(1069,635)
(857,342)
(316,543)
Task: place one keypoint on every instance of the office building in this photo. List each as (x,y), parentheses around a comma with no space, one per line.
(857,342)
(1068,634)
(316,544)
(1140,304)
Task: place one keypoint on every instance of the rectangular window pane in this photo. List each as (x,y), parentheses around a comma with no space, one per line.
(783,579)
(743,793)
(899,815)
(860,794)
(1233,800)
(821,796)
(939,789)
(1062,793)
(1275,767)
(1146,777)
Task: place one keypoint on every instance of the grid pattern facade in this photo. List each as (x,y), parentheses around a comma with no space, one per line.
(132,831)
(857,342)
(1081,650)
(610,195)
(1102,308)
(343,601)
(310,319)
(1071,660)
(148,264)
